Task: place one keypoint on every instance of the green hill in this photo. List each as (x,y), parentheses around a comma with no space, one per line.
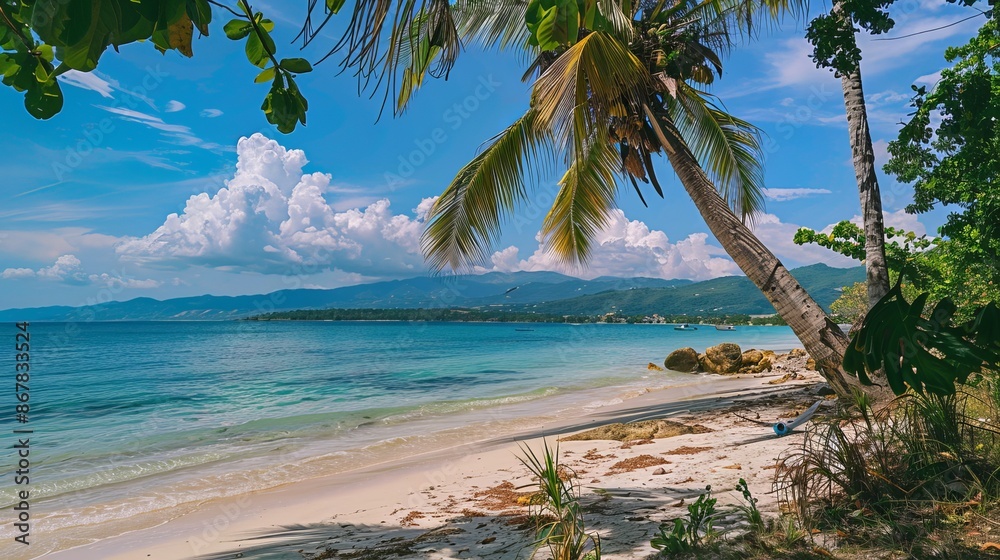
(720,296)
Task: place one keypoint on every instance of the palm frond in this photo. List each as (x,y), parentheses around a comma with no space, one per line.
(465,221)
(585,201)
(493,24)
(428,46)
(727,147)
(750,17)
(383,39)
(595,79)
(619,17)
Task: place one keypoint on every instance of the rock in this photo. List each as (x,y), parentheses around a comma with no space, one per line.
(811,364)
(682,359)
(797,353)
(641,430)
(763,365)
(752,357)
(654,367)
(660,470)
(723,358)
(825,391)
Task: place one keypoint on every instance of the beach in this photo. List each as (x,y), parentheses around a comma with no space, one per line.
(467,501)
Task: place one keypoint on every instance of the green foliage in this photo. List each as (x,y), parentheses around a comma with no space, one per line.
(938,266)
(950,151)
(688,534)
(888,475)
(749,509)
(833,34)
(852,303)
(848,239)
(561,528)
(42,39)
(284,106)
(556,24)
(924,354)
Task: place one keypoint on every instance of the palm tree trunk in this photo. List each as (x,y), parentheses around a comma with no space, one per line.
(821,337)
(863,156)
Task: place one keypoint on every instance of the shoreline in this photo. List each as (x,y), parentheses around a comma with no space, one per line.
(375,498)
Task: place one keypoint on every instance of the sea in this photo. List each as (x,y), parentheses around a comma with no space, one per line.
(146,420)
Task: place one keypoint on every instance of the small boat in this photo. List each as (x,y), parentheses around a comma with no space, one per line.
(685,327)
(725,328)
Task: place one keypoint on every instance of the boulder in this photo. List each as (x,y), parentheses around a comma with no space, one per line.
(797,353)
(811,364)
(654,367)
(682,359)
(723,358)
(752,357)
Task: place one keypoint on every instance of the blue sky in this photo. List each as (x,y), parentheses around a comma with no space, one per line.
(142,187)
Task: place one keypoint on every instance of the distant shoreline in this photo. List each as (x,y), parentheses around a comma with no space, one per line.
(472,315)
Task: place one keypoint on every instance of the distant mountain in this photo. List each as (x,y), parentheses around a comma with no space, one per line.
(719,296)
(495,288)
(543,292)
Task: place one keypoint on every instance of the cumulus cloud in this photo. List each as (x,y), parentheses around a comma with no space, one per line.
(899,219)
(777,236)
(211,113)
(629,248)
(781,195)
(65,269)
(114,281)
(173,106)
(272,217)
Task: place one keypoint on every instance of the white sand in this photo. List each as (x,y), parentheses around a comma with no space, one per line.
(430,503)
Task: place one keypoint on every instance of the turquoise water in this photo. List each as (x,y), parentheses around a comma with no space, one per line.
(131,418)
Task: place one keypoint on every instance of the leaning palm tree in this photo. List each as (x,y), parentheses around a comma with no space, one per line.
(613,85)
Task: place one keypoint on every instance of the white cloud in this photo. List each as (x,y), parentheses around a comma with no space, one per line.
(178,134)
(881,149)
(117,282)
(104,85)
(928,79)
(781,195)
(789,64)
(87,80)
(271,217)
(629,248)
(211,113)
(65,269)
(17,273)
(888,97)
(173,106)
(777,236)
(898,219)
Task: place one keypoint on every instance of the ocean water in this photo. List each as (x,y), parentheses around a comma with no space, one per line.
(153,418)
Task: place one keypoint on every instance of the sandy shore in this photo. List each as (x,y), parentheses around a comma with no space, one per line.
(463,502)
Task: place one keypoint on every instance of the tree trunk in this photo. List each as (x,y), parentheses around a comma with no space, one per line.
(821,337)
(863,156)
